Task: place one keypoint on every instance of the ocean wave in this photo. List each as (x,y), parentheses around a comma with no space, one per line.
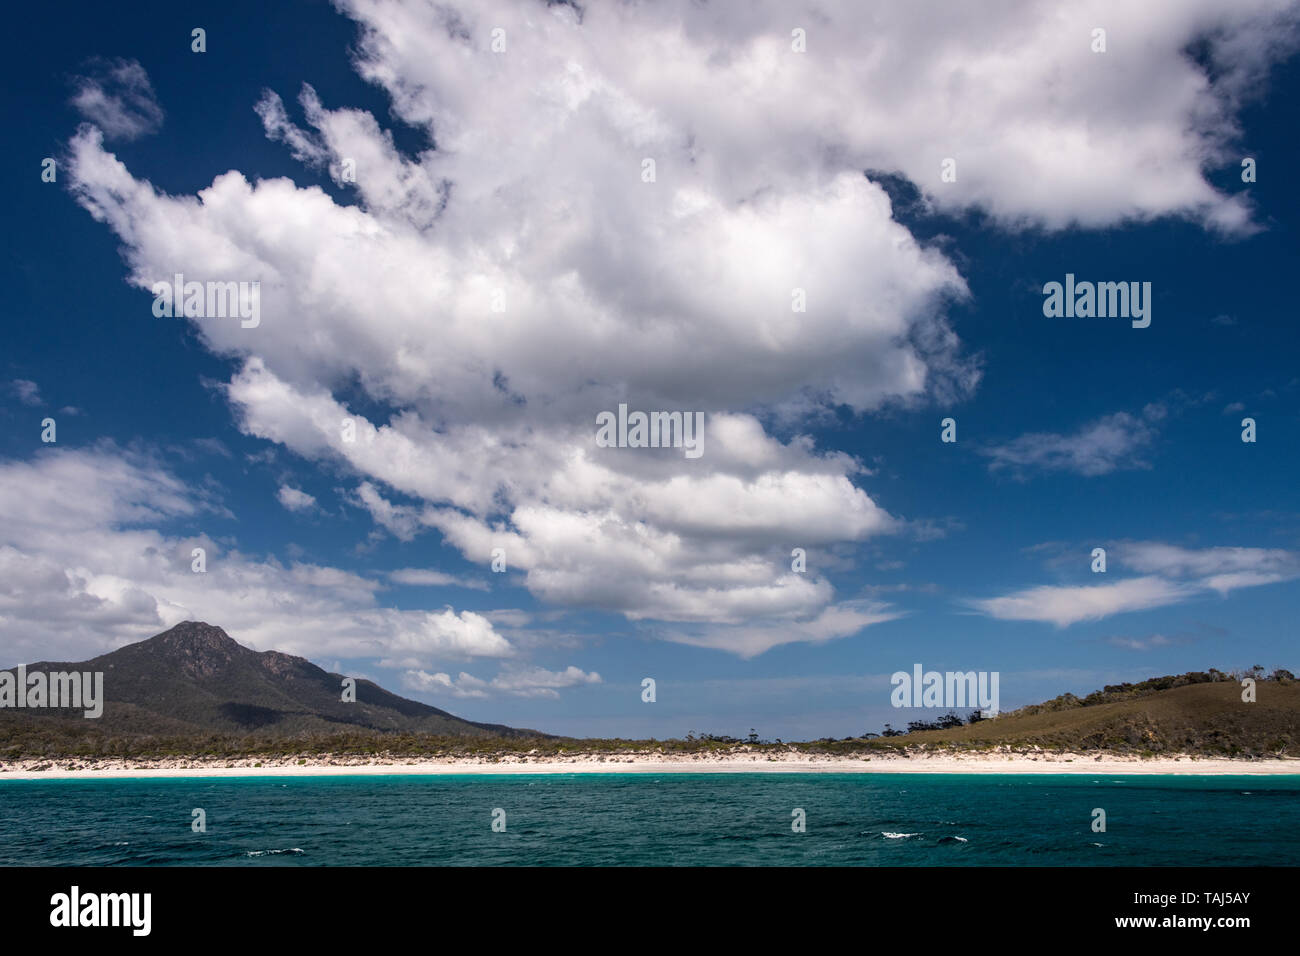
(292,849)
(897,836)
(953,839)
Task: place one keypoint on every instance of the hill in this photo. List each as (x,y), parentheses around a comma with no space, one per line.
(1164,715)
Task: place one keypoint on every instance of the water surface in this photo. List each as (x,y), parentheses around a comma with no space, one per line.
(672,819)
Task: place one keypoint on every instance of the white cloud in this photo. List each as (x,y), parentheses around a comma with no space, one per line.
(676,294)
(27,392)
(294,499)
(1141,643)
(1080,136)
(1109,444)
(510,617)
(425,577)
(118,98)
(304,147)
(1062,605)
(539,682)
(467,685)
(82,570)
(596,527)
(425,635)
(1172,575)
(750,640)
(528,682)
(1153,557)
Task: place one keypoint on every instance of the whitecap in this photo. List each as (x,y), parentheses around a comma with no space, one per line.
(897,836)
(292,849)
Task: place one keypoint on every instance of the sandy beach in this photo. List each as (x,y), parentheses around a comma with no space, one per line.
(739,761)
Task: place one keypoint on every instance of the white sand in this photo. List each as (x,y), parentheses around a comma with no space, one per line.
(741,760)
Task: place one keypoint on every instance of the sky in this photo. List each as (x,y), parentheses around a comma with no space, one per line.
(843,240)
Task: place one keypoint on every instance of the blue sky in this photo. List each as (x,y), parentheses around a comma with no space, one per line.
(521,170)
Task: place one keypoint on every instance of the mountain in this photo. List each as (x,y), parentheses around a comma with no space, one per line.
(196,679)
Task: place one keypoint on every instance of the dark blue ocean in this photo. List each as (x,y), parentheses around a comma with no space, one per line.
(674,819)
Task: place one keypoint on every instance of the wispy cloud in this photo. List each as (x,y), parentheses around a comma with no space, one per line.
(466,685)
(1113,443)
(27,392)
(746,640)
(1170,575)
(1141,643)
(529,682)
(425,577)
(1219,569)
(1064,606)
(1150,642)
(117,97)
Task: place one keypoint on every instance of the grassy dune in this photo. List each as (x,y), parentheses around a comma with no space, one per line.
(1207,718)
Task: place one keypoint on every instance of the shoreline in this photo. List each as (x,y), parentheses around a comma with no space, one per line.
(653,763)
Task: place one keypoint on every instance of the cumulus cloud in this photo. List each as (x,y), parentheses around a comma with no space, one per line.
(497,290)
(445,632)
(83,569)
(605,528)
(892,87)
(117,97)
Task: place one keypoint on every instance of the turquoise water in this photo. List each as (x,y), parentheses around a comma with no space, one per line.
(655,820)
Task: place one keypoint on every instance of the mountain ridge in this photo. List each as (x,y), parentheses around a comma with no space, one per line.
(196,678)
